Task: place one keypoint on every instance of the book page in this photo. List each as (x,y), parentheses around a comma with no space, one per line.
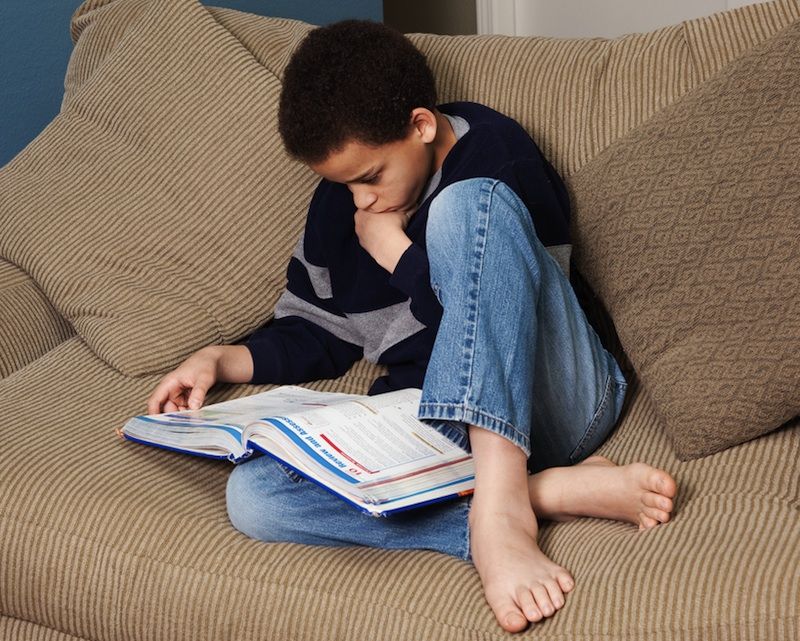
(236,413)
(367,439)
(217,429)
(281,401)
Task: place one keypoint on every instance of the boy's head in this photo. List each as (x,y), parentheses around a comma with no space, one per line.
(353,80)
(358,107)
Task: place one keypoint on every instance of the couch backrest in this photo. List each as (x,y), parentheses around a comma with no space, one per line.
(574,95)
(158,210)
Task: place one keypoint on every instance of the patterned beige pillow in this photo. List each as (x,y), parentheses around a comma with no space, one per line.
(688,228)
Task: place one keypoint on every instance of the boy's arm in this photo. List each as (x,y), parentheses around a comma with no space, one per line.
(295,350)
(383,237)
(310,338)
(412,277)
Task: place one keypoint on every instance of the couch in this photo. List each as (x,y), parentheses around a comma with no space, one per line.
(156,214)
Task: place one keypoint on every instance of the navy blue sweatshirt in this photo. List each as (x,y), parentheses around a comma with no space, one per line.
(340,305)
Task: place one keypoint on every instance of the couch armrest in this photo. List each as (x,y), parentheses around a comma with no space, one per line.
(29,324)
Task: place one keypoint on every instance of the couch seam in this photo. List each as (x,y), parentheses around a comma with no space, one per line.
(252,55)
(696,80)
(46,627)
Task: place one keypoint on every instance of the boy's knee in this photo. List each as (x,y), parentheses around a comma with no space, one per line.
(464,191)
(451,213)
(238,500)
(461,211)
(251,506)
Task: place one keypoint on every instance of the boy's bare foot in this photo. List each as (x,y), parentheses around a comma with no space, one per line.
(636,493)
(520,583)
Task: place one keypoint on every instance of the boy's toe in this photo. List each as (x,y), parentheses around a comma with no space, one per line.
(654,513)
(556,595)
(646,522)
(543,601)
(514,621)
(666,485)
(565,581)
(529,608)
(509,616)
(653,499)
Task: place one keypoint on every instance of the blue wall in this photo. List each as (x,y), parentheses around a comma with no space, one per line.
(313,11)
(35,47)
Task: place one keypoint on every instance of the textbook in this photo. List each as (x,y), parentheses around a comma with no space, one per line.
(372,451)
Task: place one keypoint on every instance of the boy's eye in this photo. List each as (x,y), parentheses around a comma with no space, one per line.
(371,180)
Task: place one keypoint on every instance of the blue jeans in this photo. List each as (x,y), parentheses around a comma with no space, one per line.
(514,354)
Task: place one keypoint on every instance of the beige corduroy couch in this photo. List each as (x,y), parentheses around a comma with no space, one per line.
(156,214)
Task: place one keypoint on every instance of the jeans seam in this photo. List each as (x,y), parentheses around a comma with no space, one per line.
(467,556)
(590,430)
(486,196)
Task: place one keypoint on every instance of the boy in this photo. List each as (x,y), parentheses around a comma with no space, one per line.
(437,244)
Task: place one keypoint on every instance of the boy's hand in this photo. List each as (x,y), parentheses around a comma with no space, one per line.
(383,235)
(185,387)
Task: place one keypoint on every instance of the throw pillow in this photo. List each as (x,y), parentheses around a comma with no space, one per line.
(688,228)
(158,210)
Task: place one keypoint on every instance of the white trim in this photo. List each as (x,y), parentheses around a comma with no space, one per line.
(590,18)
(735,4)
(496,16)
(483,9)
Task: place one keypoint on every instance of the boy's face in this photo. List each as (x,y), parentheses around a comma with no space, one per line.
(389,177)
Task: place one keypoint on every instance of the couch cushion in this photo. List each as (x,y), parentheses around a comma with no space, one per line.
(688,228)
(109,540)
(158,210)
(29,325)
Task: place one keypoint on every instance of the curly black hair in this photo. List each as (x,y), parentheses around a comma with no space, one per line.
(351,80)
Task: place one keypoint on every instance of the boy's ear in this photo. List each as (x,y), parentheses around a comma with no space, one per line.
(423,122)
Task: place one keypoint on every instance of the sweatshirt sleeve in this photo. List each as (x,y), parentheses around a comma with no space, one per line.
(309,337)
(294,350)
(412,277)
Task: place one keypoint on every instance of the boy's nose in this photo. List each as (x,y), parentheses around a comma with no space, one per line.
(364,198)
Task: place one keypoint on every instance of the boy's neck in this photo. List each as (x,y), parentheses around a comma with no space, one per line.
(443,142)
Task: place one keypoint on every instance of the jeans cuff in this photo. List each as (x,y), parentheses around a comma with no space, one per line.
(452,421)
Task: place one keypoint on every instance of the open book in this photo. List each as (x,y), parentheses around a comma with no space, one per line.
(372,451)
